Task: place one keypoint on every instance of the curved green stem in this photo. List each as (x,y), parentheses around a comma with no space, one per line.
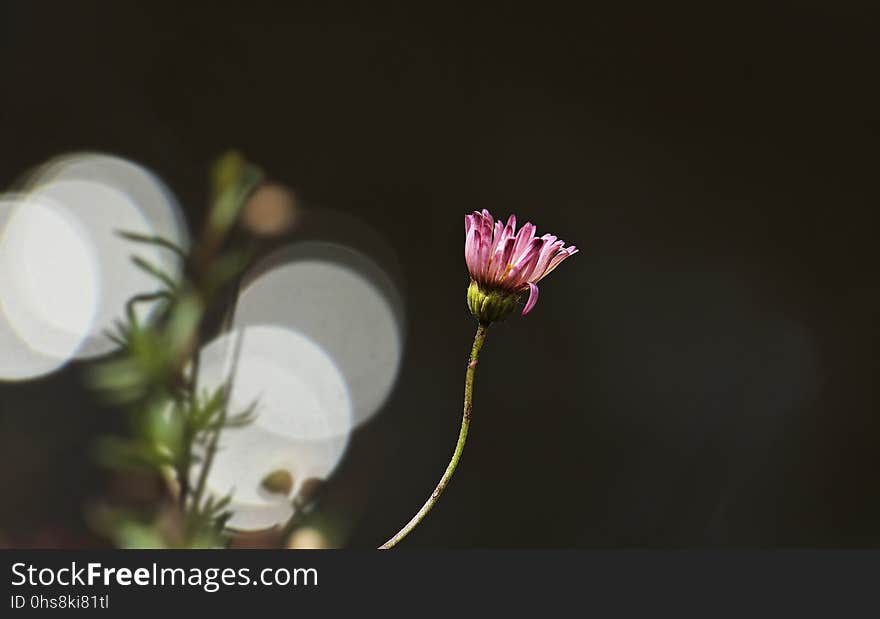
(479,338)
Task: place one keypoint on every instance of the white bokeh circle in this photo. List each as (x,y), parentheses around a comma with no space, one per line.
(66,274)
(49,286)
(340,300)
(302,423)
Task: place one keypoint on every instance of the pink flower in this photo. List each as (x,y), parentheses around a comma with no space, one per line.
(500,259)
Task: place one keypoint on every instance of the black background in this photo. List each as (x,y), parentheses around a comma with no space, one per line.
(703,373)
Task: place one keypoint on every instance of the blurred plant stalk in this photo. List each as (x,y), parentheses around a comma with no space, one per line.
(175,428)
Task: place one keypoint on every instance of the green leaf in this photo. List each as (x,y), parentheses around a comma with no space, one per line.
(156,272)
(153,240)
(233,181)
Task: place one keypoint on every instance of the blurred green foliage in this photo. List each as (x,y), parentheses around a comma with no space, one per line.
(174,426)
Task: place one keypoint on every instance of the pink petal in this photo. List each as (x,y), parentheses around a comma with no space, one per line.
(502,259)
(510,228)
(494,259)
(483,236)
(486,225)
(481,223)
(482,261)
(471,250)
(550,249)
(533,299)
(520,273)
(557,260)
(496,238)
(523,239)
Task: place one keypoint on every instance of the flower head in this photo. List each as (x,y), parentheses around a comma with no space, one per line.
(504,264)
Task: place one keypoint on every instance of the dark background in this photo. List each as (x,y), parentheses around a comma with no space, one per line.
(703,373)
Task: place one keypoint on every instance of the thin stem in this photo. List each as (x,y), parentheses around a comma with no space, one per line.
(224,411)
(479,338)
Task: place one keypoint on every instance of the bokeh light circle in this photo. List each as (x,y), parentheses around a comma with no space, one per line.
(303,418)
(66,274)
(49,286)
(340,300)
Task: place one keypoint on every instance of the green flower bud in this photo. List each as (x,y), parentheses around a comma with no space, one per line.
(491,304)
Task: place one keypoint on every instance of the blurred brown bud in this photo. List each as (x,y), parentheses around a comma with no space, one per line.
(271,211)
